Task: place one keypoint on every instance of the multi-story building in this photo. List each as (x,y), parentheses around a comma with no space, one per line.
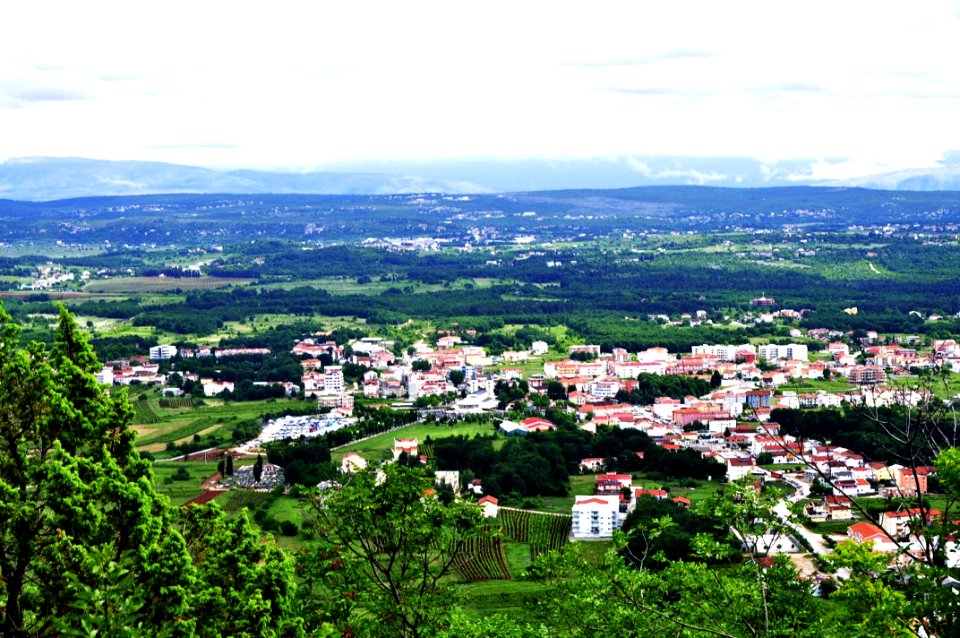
(789,352)
(596,517)
(161,352)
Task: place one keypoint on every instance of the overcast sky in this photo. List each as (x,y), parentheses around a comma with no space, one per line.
(300,85)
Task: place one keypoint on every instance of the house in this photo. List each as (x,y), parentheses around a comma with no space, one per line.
(511,429)
(593,464)
(448,477)
(490,506)
(910,482)
(596,517)
(352,462)
(898,524)
(863,531)
(681,501)
(536,424)
(612,483)
(105,376)
(476,403)
(404,446)
(213,388)
(660,495)
(737,468)
(538,348)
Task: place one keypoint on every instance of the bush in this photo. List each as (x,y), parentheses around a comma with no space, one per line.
(181,474)
(288,528)
(269,523)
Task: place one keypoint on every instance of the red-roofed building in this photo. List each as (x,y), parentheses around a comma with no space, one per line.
(490,505)
(401,446)
(535,424)
(592,464)
(863,531)
(612,483)
(596,517)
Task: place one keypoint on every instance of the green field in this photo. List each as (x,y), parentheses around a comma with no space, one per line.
(381,446)
(215,419)
(809,386)
(582,485)
(180,492)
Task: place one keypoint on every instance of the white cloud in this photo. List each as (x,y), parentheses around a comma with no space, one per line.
(299,84)
(691,176)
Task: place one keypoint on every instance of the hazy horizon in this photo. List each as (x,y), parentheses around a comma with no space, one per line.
(854,89)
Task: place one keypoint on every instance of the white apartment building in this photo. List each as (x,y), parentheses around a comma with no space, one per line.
(596,517)
(790,352)
(162,352)
(723,352)
(333,379)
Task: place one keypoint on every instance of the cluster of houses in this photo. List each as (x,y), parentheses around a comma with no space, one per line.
(52,276)
(730,424)
(598,515)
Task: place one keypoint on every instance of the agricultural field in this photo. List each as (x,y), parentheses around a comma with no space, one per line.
(542,531)
(179,491)
(135,285)
(483,559)
(159,421)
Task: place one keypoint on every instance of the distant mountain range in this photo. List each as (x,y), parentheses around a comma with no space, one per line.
(46,178)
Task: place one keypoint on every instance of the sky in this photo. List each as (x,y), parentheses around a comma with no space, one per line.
(859,87)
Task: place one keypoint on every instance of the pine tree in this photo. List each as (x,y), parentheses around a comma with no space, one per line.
(229,465)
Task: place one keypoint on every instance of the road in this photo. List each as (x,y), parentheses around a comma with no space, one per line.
(815,540)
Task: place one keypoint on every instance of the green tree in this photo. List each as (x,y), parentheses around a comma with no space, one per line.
(70,479)
(229,466)
(556,391)
(87,546)
(716,379)
(457,377)
(385,546)
(258,468)
(245,587)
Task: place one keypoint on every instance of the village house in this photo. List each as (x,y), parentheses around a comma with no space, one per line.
(489,506)
(352,462)
(864,531)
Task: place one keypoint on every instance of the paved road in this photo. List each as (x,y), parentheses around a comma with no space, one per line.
(815,540)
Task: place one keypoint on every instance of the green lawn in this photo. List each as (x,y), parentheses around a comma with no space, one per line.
(381,446)
(809,386)
(180,492)
(514,598)
(582,485)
